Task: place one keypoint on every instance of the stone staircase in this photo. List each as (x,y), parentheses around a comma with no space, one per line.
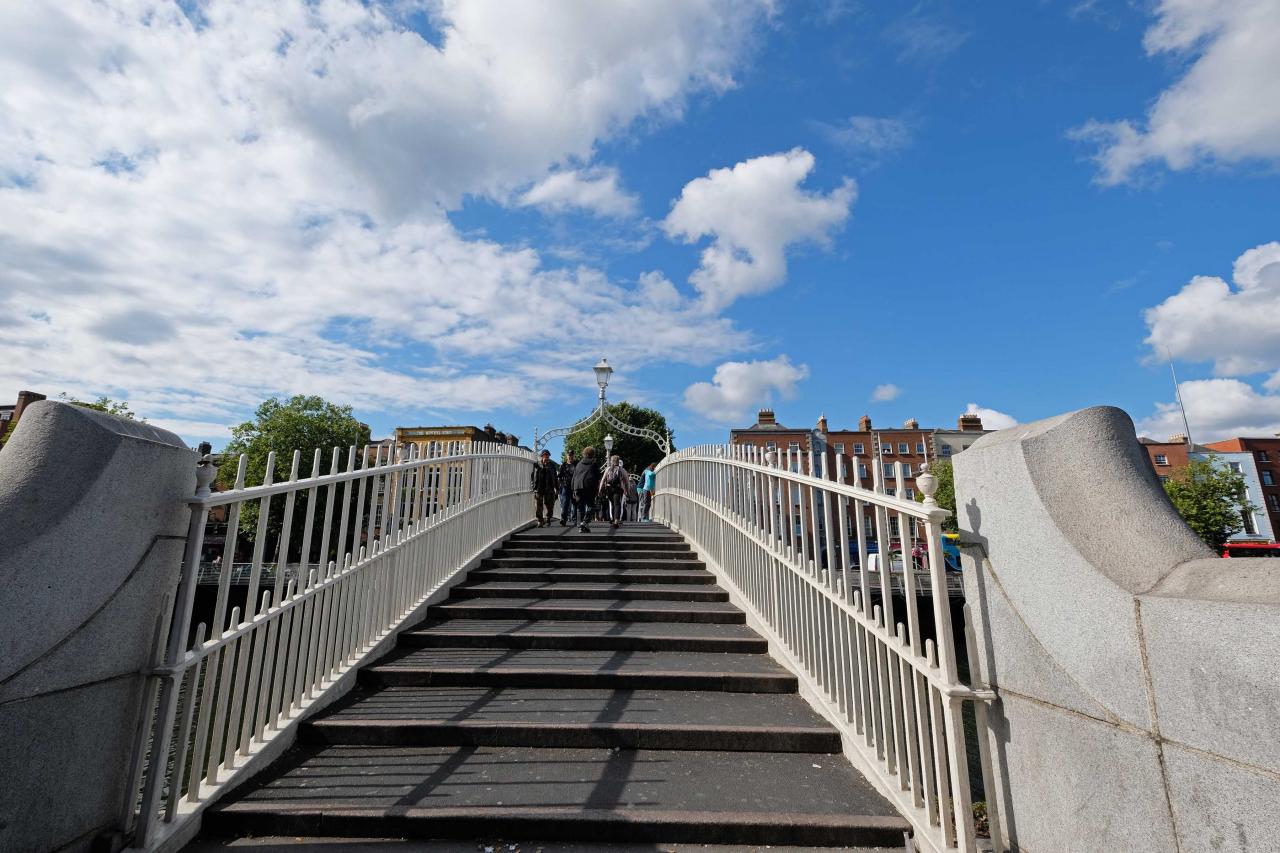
(576,687)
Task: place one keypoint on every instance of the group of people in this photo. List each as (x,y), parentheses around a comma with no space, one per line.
(583,487)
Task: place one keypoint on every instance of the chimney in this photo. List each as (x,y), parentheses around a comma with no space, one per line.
(969,423)
(25,398)
(766,417)
(911,423)
(1178,438)
(822,423)
(864,423)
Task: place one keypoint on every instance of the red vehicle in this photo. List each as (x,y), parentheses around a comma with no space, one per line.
(1251,549)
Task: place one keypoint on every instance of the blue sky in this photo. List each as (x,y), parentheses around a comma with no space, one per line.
(446,212)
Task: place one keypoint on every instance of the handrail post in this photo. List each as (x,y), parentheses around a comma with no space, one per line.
(179,625)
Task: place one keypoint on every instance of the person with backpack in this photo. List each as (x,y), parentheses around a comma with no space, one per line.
(613,488)
(545,483)
(646,490)
(586,483)
(568,511)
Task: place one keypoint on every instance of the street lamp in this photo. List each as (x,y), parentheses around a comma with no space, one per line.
(603,372)
(608,441)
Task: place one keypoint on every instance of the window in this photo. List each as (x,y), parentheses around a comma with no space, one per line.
(889,491)
(920,447)
(1273,501)
(888,471)
(862,471)
(858,450)
(1267,479)
(887,450)
(904,448)
(945,450)
(910,493)
(1164,478)
(770,445)
(1262,456)
(1235,467)
(839,447)
(1250,528)
(893,530)
(794,447)
(1161,459)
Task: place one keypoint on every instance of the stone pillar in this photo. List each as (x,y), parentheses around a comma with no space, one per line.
(92,524)
(1138,673)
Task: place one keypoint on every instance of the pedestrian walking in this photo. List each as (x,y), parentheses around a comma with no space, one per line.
(568,510)
(545,484)
(646,490)
(613,488)
(586,483)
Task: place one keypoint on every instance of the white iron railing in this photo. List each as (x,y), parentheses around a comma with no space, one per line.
(791,543)
(377,538)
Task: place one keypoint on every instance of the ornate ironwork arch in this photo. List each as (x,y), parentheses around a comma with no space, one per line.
(602,413)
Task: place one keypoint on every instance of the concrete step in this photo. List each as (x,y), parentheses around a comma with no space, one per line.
(585,795)
(602,562)
(617,719)
(689,576)
(492,843)
(577,590)
(600,537)
(611,636)
(451,667)
(638,551)
(607,610)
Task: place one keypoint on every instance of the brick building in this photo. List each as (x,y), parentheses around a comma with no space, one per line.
(1253,458)
(1266,458)
(858,452)
(9,415)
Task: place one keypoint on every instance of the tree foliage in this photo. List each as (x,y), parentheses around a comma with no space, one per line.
(1210,497)
(946,494)
(636,452)
(305,423)
(119,408)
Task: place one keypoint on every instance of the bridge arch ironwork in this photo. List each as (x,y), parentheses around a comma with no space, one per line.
(603,371)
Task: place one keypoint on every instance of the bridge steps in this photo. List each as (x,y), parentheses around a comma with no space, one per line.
(563,701)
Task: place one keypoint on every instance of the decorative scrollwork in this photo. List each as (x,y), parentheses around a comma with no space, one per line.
(602,413)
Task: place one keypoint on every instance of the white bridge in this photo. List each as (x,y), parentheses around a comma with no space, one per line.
(1107,686)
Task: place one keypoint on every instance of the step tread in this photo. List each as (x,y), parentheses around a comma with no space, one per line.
(568,627)
(552,587)
(580,660)
(606,604)
(585,706)
(565,783)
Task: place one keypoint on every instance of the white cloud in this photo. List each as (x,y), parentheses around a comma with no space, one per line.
(754,211)
(596,190)
(738,387)
(873,136)
(1216,409)
(1223,109)
(193,217)
(885,393)
(1236,328)
(991,419)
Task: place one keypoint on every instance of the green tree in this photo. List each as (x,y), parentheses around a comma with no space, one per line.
(636,452)
(119,408)
(303,423)
(946,494)
(1211,498)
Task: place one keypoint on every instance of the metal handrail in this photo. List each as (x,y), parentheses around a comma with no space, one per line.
(789,537)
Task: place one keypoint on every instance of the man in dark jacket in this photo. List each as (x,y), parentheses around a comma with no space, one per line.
(586,481)
(544,482)
(567,509)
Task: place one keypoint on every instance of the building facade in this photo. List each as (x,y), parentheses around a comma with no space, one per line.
(9,415)
(1255,464)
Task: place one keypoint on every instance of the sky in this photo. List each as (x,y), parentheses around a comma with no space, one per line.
(444,212)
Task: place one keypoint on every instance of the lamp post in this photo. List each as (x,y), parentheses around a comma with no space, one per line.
(608,440)
(603,372)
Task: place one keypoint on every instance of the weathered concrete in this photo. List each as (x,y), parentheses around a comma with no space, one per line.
(1138,674)
(92,524)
